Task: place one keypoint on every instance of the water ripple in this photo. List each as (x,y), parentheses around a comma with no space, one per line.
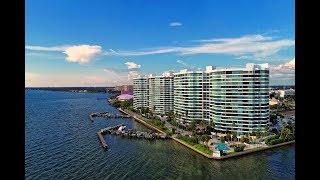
(61,143)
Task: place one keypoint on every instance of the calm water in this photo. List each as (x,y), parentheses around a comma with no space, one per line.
(61,143)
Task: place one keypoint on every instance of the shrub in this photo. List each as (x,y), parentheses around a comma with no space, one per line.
(228,137)
(222,139)
(268,139)
(158,123)
(204,137)
(244,139)
(275,141)
(239,147)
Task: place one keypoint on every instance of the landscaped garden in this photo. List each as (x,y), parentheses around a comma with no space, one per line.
(194,142)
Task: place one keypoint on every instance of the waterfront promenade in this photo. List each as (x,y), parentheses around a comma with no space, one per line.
(140,119)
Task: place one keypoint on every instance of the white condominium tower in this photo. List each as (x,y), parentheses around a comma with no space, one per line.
(161,93)
(140,92)
(240,98)
(188,95)
(235,99)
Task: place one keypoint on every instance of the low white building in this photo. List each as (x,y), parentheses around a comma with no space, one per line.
(273,101)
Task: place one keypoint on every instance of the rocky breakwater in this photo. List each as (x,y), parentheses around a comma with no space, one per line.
(130,133)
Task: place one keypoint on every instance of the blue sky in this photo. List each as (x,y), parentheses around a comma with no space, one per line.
(102,43)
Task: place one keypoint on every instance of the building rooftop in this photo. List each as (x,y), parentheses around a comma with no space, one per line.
(125,97)
(248,67)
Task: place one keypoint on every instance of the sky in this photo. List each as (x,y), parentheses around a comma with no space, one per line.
(107,43)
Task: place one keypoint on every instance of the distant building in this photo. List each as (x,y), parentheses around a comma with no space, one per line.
(140,92)
(125,89)
(286,93)
(161,93)
(125,97)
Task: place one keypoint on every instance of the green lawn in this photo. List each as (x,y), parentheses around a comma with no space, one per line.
(203,149)
(195,145)
(158,123)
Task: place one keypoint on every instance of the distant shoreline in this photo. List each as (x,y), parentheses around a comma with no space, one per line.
(76,89)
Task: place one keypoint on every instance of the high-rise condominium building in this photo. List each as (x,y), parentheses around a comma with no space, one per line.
(235,99)
(140,92)
(240,98)
(154,92)
(188,95)
(161,93)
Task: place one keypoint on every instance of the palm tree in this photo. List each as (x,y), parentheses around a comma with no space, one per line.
(234,135)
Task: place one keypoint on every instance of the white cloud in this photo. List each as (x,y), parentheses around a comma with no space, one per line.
(103,78)
(253,46)
(81,54)
(256,45)
(283,73)
(174,24)
(286,67)
(132,65)
(182,62)
(145,52)
(244,57)
(41,48)
(132,74)
(245,38)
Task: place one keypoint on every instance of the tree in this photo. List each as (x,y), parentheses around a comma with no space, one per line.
(173,130)
(285,133)
(170,115)
(193,125)
(273,119)
(234,136)
(211,123)
(258,133)
(228,137)
(204,137)
(239,148)
(244,139)
(222,139)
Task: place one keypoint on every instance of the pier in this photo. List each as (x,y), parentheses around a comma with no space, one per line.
(103,142)
(103,131)
(130,133)
(106,115)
